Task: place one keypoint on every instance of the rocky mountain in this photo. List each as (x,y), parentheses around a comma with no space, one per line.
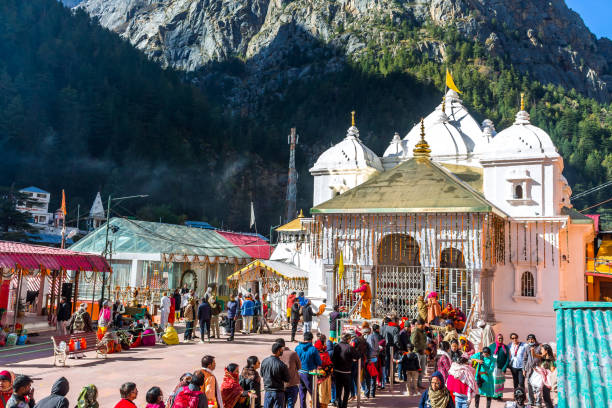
(282,40)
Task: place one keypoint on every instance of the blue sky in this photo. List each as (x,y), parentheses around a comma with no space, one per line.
(596,15)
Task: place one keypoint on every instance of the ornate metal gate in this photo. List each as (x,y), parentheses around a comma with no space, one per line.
(397,289)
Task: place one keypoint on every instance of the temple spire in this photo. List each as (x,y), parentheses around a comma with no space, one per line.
(422,148)
(522,101)
(352,118)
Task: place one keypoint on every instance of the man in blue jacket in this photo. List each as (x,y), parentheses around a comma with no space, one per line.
(232,316)
(247,311)
(310,360)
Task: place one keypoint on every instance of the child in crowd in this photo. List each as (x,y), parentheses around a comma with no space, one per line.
(155,398)
(412,368)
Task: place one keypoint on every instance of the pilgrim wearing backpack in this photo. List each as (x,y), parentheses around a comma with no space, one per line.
(80,320)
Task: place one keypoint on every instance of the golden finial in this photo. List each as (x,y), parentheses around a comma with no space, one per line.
(301,215)
(352,118)
(522,101)
(444,104)
(422,148)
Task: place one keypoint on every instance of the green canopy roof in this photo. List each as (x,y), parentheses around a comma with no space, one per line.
(414,186)
(153,237)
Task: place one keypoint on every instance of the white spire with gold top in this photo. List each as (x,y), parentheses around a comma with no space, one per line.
(522,138)
(343,166)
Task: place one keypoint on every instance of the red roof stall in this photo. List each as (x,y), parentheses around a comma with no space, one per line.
(38,263)
(253,245)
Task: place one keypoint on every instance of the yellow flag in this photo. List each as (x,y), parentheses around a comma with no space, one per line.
(340,266)
(64,203)
(450,83)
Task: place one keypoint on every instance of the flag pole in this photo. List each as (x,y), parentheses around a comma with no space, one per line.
(63,209)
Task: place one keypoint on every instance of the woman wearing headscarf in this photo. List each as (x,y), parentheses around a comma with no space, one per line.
(461,382)
(502,359)
(250,380)
(434,310)
(466,346)
(485,375)
(104,319)
(444,359)
(324,381)
(437,395)
(232,394)
(88,397)
(6,387)
(184,381)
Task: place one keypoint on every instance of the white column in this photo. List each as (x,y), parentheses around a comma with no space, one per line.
(135,269)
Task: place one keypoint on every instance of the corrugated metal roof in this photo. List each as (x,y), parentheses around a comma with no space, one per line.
(153,237)
(584,354)
(27,256)
(417,185)
(252,244)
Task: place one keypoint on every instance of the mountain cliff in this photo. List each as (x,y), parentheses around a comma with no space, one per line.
(542,38)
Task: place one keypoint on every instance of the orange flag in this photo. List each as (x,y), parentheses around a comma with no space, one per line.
(64,203)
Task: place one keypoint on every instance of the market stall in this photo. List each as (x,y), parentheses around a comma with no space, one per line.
(25,267)
(274,280)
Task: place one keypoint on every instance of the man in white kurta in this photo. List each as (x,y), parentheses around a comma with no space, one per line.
(165,310)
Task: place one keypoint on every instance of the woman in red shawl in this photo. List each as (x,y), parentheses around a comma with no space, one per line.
(172,314)
(232,394)
(324,380)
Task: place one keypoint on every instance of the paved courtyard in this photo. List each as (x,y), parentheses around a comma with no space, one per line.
(159,365)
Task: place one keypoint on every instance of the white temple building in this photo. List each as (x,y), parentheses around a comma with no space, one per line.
(482,218)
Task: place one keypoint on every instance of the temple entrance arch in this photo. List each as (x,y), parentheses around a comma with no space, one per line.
(452,281)
(399,278)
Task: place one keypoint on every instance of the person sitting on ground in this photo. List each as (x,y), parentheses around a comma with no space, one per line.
(57,399)
(80,321)
(128,392)
(88,397)
(250,379)
(155,398)
(448,331)
(191,396)
(118,312)
(232,394)
(23,393)
(437,395)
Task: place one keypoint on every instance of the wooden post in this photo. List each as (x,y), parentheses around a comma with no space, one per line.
(17,297)
(41,292)
(358,383)
(52,300)
(392,373)
(76,289)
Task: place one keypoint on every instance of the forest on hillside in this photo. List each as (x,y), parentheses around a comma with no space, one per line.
(81,110)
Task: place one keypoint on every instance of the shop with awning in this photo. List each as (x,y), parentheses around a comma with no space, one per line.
(274,280)
(37,275)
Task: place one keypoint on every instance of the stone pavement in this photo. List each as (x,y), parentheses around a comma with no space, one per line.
(162,366)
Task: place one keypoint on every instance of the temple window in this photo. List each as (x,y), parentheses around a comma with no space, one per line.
(518,192)
(527,284)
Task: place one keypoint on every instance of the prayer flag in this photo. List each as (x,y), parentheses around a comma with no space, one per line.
(340,265)
(450,83)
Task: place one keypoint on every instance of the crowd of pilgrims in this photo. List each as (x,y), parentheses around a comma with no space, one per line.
(426,356)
